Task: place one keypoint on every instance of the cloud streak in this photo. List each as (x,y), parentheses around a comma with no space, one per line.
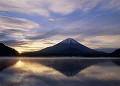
(16,23)
(13,43)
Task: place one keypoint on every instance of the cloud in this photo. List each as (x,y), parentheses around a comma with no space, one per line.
(3,35)
(46,7)
(16,23)
(44,35)
(65,7)
(13,43)
(13,34)
(30,7)
(12,28)
(111,4)
(51,19)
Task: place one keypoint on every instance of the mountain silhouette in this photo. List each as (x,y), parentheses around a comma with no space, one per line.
(68,47)
(7,51)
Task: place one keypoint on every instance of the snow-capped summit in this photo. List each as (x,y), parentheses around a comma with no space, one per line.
(69,40)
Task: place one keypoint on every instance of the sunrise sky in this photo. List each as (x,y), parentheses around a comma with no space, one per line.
(30,25)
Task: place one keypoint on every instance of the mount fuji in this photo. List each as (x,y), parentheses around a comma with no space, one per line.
(68,46)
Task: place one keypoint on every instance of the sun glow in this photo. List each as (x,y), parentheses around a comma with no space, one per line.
(20,51)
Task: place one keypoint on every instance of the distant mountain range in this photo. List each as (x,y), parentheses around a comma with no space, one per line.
(107,50)
(7,51)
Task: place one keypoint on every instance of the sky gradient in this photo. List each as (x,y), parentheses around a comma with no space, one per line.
(30,25)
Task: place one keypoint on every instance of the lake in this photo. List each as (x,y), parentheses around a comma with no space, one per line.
(59,71)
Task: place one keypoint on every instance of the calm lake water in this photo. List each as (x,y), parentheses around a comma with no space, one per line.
(59,72)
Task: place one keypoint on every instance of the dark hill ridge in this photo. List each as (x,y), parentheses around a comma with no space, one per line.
(68,47)
(7,51)
(116,53)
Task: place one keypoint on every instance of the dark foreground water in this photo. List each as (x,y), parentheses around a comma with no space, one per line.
(59,72)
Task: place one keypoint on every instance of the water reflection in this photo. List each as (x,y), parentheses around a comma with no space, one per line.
(60,72)
(19,63)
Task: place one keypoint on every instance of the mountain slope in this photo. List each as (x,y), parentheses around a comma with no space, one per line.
(7,51)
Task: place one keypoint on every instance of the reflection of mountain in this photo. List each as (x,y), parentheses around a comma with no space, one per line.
(7,51)
(69,67)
